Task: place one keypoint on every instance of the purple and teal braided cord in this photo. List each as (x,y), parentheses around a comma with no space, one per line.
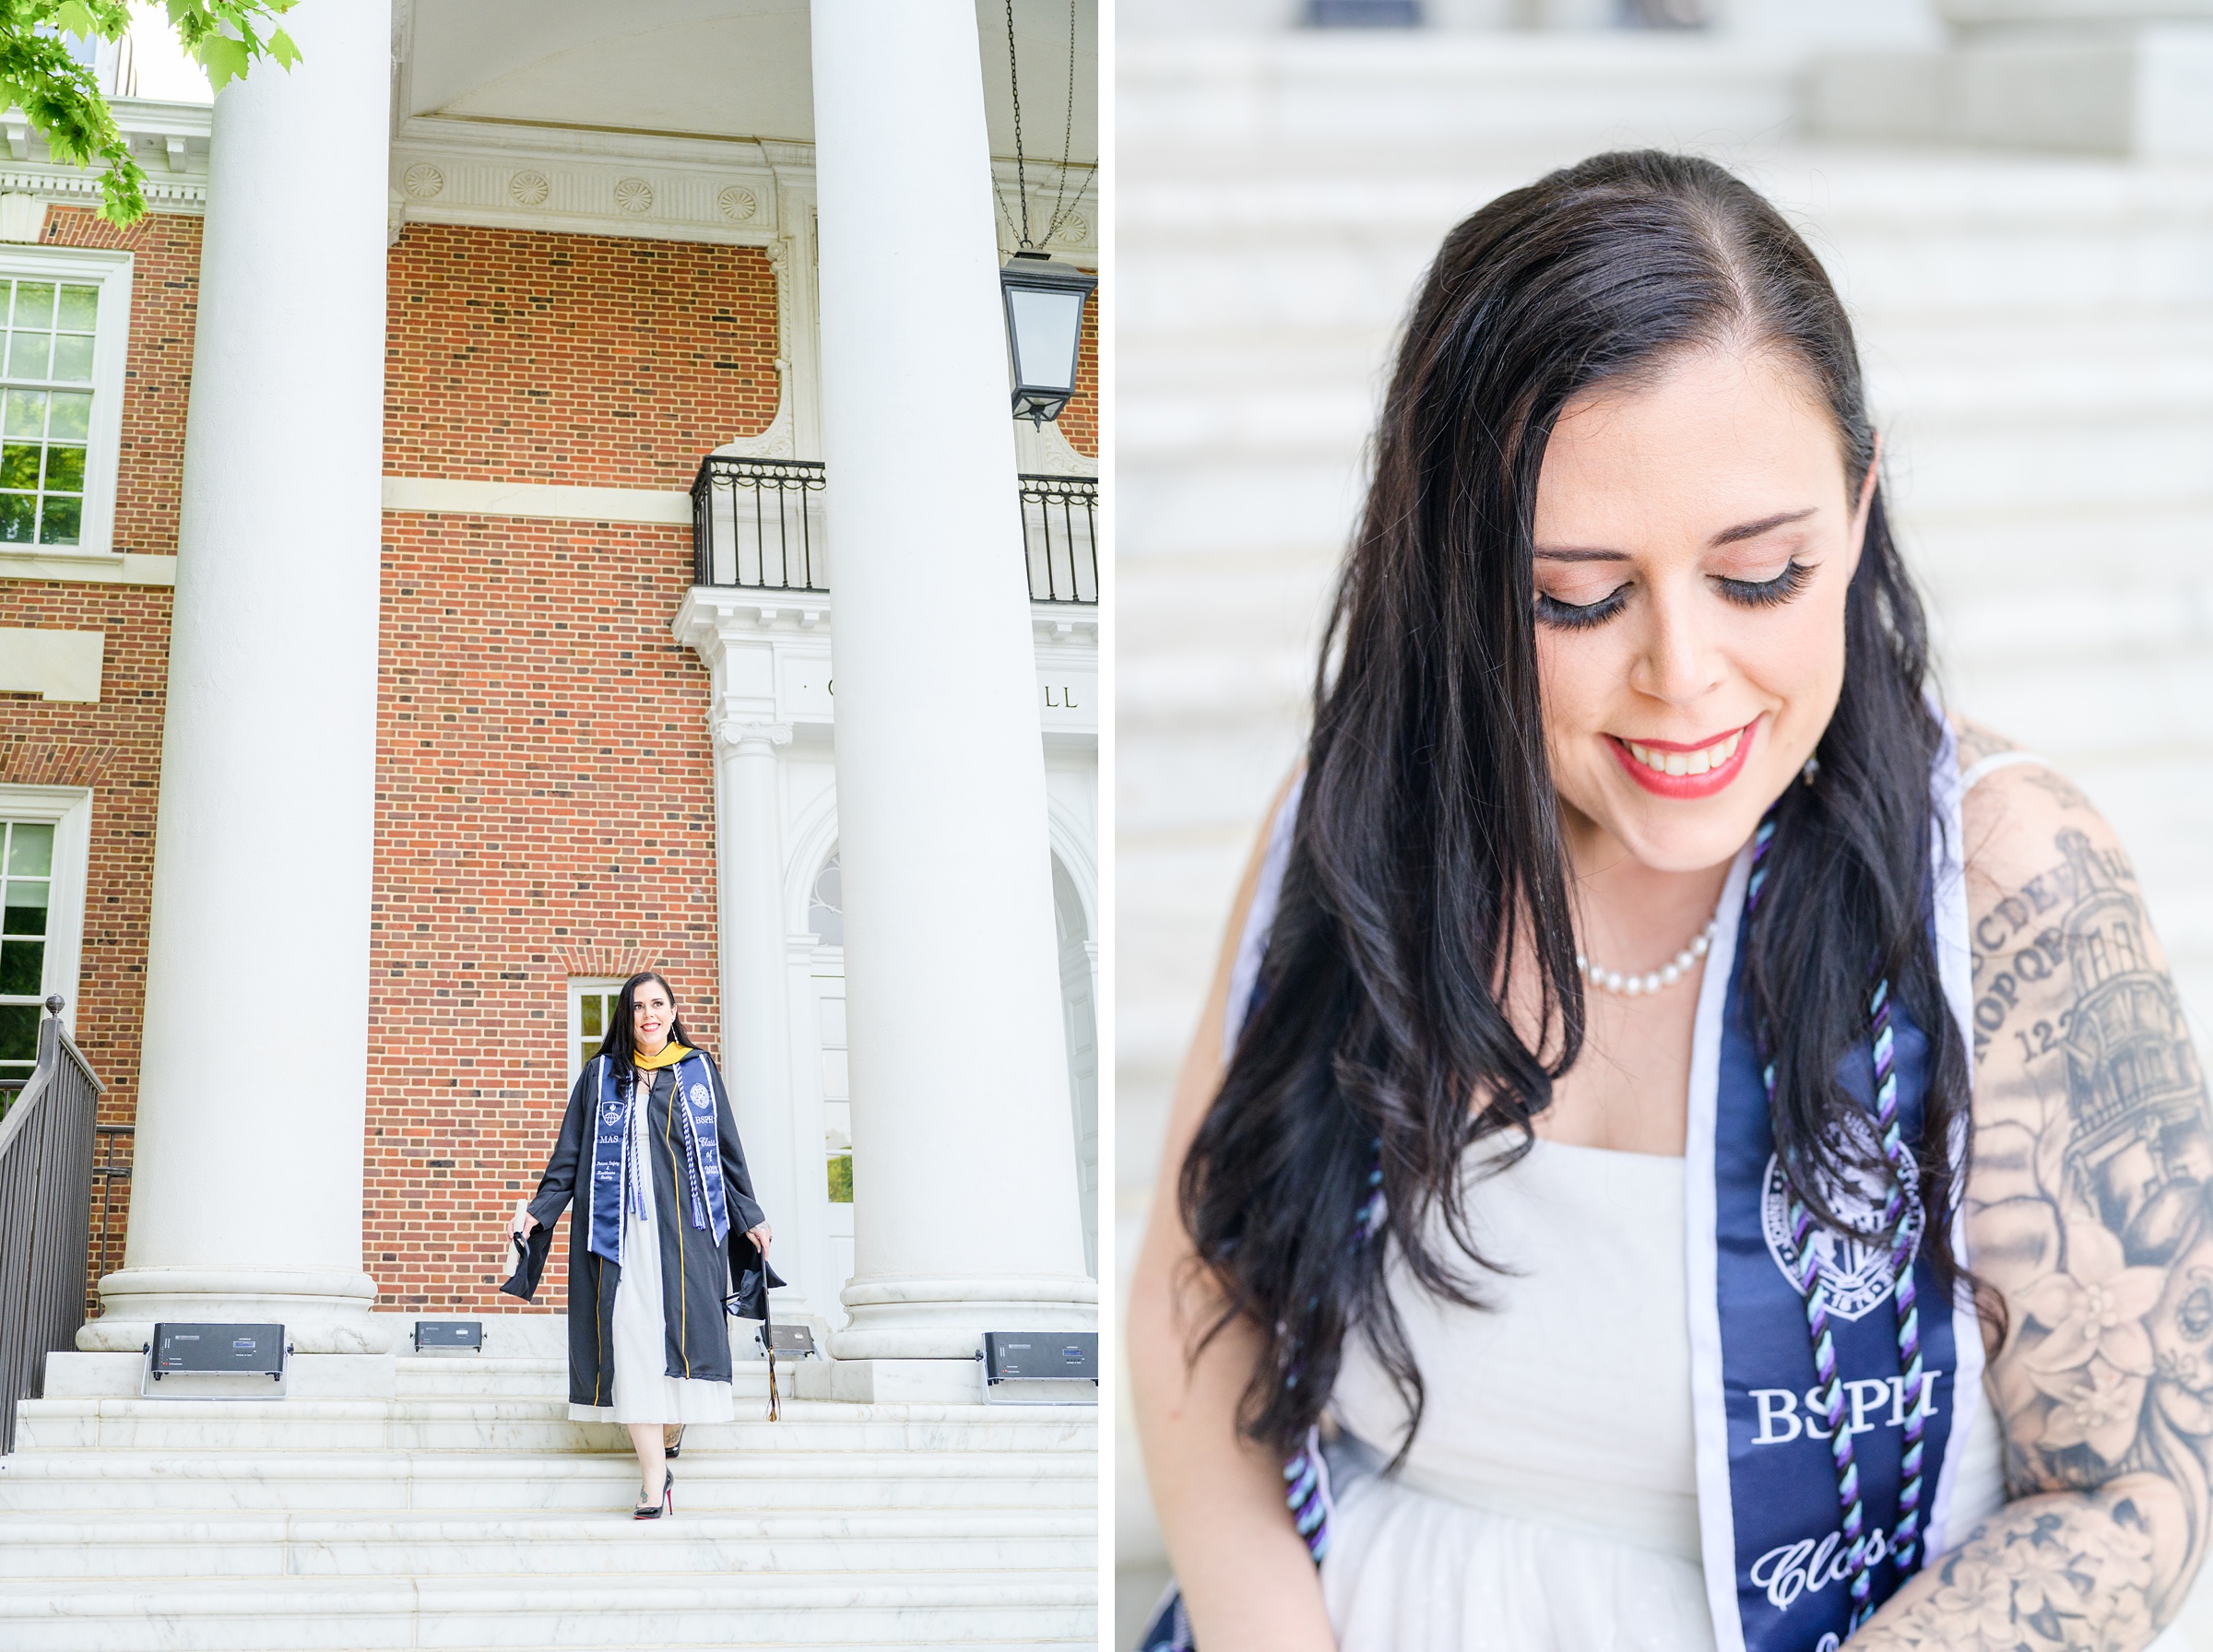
(1905,1539)
(1905,1536)
(1305,1475)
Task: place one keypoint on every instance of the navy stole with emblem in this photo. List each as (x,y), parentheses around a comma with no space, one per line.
(616,1162)
(1776,1558)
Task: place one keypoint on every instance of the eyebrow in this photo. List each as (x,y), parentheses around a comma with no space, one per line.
(1752,530)
(1728,535)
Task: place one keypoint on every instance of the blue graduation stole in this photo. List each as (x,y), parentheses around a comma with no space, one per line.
(619,1163)
(1776,1557)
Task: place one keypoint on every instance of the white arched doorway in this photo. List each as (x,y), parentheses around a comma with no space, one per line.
(1079,970)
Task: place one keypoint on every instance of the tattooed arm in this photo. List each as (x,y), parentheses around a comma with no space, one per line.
(2087,1207)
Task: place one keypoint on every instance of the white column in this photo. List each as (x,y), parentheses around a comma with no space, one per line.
(246,1201)
(756,1017)
(964,1187)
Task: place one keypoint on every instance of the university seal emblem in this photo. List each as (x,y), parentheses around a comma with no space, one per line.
(1857,1273)
(611,1114)
(701,1101)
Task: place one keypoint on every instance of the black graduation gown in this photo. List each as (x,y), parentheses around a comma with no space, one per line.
(696,1273)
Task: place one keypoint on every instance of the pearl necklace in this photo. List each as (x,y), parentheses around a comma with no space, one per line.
(1667,974)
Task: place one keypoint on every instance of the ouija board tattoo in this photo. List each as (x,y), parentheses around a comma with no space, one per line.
(2089,1209)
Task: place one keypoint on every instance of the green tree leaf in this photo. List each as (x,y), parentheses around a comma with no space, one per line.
(62,100)
(224,59)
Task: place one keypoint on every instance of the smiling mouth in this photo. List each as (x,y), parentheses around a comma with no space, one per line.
(1671,769)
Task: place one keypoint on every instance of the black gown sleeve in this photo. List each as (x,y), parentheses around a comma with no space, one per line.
(558,1185)
(554,1190)
(738,1183)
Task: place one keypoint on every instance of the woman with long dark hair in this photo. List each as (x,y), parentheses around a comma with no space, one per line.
(1691,1145)
(665,1221)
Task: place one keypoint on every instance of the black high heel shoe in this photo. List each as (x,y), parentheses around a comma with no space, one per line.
(670,1448)
(667,1505)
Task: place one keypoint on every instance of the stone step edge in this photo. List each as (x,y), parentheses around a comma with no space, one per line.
(798,1414)
(672,1591)
(376,1463)
(116,1528)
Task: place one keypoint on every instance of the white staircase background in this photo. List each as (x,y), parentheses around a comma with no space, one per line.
(466,1512)
(2039,336)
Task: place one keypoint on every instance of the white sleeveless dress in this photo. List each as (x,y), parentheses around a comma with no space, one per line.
(1549,1503)
(1550,1500)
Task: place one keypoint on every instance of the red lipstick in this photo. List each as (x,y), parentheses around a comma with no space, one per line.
(1685,788)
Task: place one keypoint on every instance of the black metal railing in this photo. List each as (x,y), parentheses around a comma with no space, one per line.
(45,1215)
(1060,529)
(757,523)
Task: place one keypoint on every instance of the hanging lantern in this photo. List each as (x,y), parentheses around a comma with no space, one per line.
(1045,331)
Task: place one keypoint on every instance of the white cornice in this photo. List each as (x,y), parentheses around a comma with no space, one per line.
(587,180)
(170,141)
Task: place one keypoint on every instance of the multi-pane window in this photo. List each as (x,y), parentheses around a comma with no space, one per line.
(46,409)
(591,1012)
(27,860)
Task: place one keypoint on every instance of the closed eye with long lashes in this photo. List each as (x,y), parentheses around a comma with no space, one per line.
(1571,616)
(1758,593)
(1767,593)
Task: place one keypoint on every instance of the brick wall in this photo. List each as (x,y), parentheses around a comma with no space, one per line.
(518,356)
(165,290)
(114,747)
(545,806)
(1079,419)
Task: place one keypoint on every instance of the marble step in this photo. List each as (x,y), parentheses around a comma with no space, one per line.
(365,1543)
(1200,94)
(1293,278)
(66,1482)
(456,1376)
(491,1376)
(506,1425)
(526,1379)
(1006,1610)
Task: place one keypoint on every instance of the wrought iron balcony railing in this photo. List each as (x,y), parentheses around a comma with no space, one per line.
(757,525)
(1059,525)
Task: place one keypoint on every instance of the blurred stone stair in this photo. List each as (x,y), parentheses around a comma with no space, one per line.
(2039,337)
(467,1511)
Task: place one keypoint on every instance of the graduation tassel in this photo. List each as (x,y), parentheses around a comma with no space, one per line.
(774,1414)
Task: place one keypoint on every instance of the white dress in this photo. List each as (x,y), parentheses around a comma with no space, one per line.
(1549,1503)
(643,1391)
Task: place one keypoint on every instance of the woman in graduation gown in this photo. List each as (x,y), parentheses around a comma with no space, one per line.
(665,1219)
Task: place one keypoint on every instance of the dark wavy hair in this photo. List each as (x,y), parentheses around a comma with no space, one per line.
(1427,863)
(619,1045)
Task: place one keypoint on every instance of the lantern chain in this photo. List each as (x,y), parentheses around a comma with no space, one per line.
(1063,209)
(1021,182)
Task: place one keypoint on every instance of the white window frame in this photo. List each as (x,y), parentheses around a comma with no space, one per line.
(578,986)
(69,807)
(110,272)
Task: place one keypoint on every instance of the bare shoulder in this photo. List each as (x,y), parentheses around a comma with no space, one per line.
(2016,816)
